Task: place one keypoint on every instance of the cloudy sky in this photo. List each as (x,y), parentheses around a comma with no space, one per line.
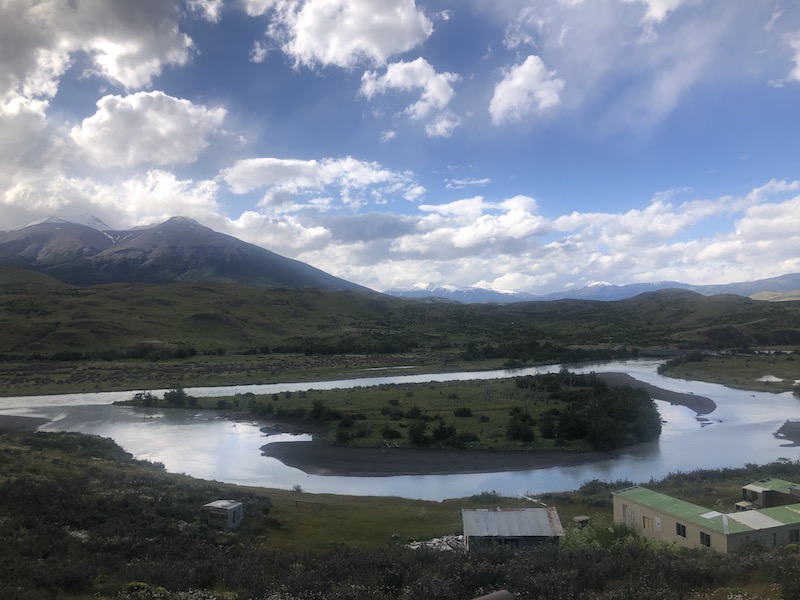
(513,144)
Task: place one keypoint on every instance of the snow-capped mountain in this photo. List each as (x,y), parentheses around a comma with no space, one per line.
(598,291)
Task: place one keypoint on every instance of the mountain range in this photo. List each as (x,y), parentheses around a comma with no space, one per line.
(85,251)
(782,287)
(178,250)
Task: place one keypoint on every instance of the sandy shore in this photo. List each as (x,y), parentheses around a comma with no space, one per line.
(699,404)
(322,458)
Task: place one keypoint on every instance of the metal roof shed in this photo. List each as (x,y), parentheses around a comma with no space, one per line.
(522,527)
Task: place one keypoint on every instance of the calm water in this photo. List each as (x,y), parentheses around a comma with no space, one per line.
(198,443)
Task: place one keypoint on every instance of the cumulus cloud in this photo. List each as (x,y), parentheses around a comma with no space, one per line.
(436,88)
(128,43)
(21,121)
(657,10)
(629,64)
(526,88)
(793,42)
(146,128)
(353,180)
(149,197)
(436,92)
(343,33)
(211,10)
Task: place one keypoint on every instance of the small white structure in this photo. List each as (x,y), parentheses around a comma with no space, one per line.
(223,514)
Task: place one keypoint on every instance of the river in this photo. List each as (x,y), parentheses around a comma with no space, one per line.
(201,444)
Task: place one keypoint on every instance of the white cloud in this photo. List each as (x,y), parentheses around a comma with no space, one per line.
(211,10)
(443,125)
(437,92)
(457,184)
(355,181)
(657,10)
(526,88)
(128,43)
(629,64)
(793,42)
(146,128)
(146,198)
(259,52)
(406,76)
(343,33)
(21,122)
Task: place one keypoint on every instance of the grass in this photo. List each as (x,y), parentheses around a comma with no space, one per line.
(744,371)
(311,521)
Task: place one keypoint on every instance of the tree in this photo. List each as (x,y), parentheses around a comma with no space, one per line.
(416,432)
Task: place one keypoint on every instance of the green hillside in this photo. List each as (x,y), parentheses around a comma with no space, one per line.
(231,333)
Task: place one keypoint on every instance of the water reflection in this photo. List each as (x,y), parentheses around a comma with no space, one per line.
(199,443)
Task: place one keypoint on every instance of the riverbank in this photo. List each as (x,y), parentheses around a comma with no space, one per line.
(323,458)
(699,404)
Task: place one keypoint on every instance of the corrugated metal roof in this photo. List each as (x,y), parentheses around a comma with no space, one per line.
(226,504)
(523,522)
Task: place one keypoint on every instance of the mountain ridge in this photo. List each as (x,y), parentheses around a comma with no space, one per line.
(780,285)
(179,249)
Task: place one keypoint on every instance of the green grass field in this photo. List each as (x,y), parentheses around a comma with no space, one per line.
(779,372)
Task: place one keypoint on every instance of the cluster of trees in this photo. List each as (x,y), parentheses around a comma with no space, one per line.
(588,408)
(176,397)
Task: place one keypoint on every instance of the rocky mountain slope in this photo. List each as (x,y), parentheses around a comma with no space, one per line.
(179,249)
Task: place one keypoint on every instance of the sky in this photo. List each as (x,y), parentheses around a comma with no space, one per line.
(517,145)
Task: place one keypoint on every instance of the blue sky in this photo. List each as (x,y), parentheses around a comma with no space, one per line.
(517,145)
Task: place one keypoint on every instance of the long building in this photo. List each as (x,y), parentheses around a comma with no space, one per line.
(658,516)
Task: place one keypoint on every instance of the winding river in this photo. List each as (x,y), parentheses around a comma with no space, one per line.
(740,430)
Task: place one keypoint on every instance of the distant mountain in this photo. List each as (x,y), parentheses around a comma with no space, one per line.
(775,288)
(179,249)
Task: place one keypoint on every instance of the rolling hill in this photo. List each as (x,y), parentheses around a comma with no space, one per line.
(40,316)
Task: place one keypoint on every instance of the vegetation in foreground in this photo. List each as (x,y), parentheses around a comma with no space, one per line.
(82,520)
(556,410)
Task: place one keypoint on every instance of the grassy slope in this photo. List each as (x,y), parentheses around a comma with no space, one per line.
(243,334)
(38,314)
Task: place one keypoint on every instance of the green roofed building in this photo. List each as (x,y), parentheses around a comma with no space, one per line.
(662,517)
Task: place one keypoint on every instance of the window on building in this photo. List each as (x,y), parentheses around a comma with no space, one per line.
(647,523)
(705,539)
(680,529)
(794,536)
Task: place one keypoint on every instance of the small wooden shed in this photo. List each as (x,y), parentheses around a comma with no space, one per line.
(520,527)
(223,514)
